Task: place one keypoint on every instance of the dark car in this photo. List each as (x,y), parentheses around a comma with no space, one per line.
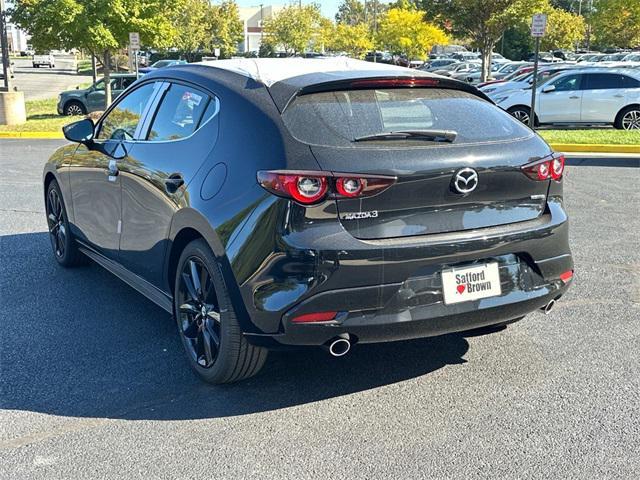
(93,98)
(162,64)
(268,203)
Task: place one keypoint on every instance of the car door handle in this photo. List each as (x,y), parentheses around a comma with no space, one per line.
(574,97)
(174,182)
(618,95)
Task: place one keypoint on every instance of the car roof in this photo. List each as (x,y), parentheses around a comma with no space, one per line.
(272,70)
(288,77)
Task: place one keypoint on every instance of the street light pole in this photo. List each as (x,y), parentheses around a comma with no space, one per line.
(6,70)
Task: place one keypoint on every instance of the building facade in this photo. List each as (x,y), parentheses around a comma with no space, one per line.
(252,21)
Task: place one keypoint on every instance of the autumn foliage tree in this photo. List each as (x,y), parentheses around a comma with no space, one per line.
(616,23)
(99,26)
(352,39)
(405,31)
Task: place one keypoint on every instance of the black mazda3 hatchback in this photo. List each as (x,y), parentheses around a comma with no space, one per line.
(290,202)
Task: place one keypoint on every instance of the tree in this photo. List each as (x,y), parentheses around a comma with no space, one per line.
(226,28)
(192,27)
(351,12)
(616,23)
(484,21)
(99,26)
(404,31)
(564,30)
(293,28)
(353,39)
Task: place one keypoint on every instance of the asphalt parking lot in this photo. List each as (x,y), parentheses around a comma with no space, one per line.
(95,385)
(41,83)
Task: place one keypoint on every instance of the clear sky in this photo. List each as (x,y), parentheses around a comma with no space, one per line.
(329,7)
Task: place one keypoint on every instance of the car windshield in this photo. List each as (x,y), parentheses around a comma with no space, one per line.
(339,118)
(162,63)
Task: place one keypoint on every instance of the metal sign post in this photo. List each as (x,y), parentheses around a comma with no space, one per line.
(538,28)
(134,45)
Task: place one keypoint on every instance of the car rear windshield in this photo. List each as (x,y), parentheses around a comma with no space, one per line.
(337,118)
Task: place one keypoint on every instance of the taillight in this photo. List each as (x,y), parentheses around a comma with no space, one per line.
(312,187)
(545,169)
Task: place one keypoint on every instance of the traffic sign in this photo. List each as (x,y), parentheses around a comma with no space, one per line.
(539,25)
(134,40)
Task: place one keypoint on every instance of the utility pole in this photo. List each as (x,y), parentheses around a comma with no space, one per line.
(12,109)
(6,65)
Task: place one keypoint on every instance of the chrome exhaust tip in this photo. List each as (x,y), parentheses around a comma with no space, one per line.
(339,346)
(548,307)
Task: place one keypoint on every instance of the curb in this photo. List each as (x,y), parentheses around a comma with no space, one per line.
(32,135)
(595,148)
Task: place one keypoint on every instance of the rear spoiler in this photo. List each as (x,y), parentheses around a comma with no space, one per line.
(284,96)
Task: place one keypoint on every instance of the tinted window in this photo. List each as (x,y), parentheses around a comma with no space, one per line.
(121,122)
(604,81)
(568,83)
(179,114)
(127,81)
(630,82)
(337,118)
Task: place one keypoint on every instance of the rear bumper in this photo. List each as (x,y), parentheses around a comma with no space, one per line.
(391,289)
(416,309)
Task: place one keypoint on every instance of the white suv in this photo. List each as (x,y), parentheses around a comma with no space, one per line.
(588,96)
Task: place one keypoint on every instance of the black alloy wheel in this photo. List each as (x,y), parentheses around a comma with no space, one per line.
(199,313)
(57,223)
(65,249)
(216,348)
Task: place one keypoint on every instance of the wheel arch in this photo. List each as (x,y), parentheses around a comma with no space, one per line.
(618,119)
(189,225)
(77,101)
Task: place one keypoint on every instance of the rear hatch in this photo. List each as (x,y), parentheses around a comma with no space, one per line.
(488,143)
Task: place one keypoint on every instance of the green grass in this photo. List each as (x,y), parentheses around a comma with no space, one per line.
(41,117)
(594,136)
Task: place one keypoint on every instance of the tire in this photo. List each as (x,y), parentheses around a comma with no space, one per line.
(65,248)
(207,324)
(628,118)
(74,108)
(521,113)
(36,65)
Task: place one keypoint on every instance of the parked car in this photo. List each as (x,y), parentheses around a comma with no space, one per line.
(433,65)
(498,72)
(46,60)
(162,64)
(524,81)
(632,57)
(520,71)
(306,242)
(92,99)
(462,67)
(613,57)
(591,96)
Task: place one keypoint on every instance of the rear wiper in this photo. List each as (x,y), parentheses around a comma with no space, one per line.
(431,135)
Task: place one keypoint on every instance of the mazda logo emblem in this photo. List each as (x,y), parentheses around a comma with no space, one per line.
(465,180)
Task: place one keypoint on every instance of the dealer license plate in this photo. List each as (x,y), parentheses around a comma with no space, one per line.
(471,283)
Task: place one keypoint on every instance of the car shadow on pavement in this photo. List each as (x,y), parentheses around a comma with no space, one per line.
(81,343)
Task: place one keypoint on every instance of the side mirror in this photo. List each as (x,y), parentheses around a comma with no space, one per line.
(80,131)
(548,88)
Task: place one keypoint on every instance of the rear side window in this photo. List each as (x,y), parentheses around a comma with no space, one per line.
(597,81)
(337,118)
(181,112)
